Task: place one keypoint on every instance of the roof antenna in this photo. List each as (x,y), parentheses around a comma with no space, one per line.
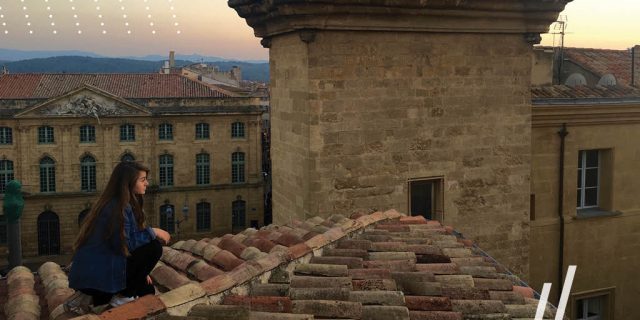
(559,27)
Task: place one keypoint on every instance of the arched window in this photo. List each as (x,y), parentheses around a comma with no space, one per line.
(203,217)
(6,174)
(47,175)
(166,170)
(88,174)
(237,167)
(165,131)
(83,214)
(202,131)
(203,169)
(87,134)
(127,157)
(45,134)
(238,215)
(237,130)
(167,217)
(48,233)
(6,135)
(127,132)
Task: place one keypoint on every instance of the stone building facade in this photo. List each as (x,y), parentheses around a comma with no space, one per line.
(415,105)
(63,134)
(590,193)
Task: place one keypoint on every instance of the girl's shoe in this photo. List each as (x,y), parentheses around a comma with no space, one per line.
(78,303)
(118,300)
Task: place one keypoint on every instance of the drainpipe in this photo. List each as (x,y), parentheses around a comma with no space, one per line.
(563,134)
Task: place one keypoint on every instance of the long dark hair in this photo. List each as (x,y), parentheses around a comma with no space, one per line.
(119,188)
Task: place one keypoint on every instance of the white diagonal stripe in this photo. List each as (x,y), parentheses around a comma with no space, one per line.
(542,304)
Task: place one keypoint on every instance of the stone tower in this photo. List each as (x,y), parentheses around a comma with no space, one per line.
(368,96)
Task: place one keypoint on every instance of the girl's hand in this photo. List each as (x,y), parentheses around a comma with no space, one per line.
(162,235)
(149,281)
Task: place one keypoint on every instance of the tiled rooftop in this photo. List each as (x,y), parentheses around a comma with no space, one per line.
(151,85)
(603,61)
(382,265)
(583,92)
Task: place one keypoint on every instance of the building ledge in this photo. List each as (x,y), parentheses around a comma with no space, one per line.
(595,213)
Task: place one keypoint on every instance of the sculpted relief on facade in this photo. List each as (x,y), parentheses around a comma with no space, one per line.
(85,105)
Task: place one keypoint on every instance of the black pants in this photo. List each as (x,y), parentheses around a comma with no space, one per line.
(139,265)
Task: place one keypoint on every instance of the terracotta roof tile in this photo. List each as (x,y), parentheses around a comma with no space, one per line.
(260,303)
(602,61)
(148,85)
(374,285)
(435,315)
(564,92)
(373,266)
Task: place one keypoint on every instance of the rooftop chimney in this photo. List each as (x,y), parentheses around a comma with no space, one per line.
(172,59)
(635,66)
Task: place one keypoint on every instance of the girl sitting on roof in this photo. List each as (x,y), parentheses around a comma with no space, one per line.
(115,252)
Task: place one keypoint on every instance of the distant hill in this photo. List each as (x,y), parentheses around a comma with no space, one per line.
(16,55)
(78,64)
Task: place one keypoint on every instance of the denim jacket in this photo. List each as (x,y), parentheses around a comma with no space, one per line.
(99,263)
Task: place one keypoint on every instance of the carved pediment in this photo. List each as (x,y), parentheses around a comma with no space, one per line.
(85,102)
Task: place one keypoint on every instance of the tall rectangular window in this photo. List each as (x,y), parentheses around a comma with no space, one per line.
(88,174)
(167,218)
(203,217)
(238,215)
(6,174)
(87,134)
(127,132)
(6,135)
(165,131)
(203,169)
(237,130)
(47,175)
(45,135)
(588,179)
(166,170)
(237,167)
(202,131)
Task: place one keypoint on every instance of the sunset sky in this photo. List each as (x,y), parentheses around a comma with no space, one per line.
(210,27)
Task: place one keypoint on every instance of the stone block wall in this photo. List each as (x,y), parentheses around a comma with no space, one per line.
(603,246)
(358,114)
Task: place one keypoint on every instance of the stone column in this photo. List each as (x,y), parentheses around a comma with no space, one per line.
(367,94)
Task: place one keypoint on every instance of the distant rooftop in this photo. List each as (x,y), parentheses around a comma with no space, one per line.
(602,62)
(129,86)
(584,92)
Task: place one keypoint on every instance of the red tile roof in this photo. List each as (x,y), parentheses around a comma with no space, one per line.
(370,266)
(583,92)
(603,61)
(151,85)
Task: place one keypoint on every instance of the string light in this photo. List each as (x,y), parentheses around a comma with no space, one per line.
(147,8)
(48,17)
(2,22)
(27,17)
(51,17)
(124,16)
(174,17)
(75,17)
(100,17)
